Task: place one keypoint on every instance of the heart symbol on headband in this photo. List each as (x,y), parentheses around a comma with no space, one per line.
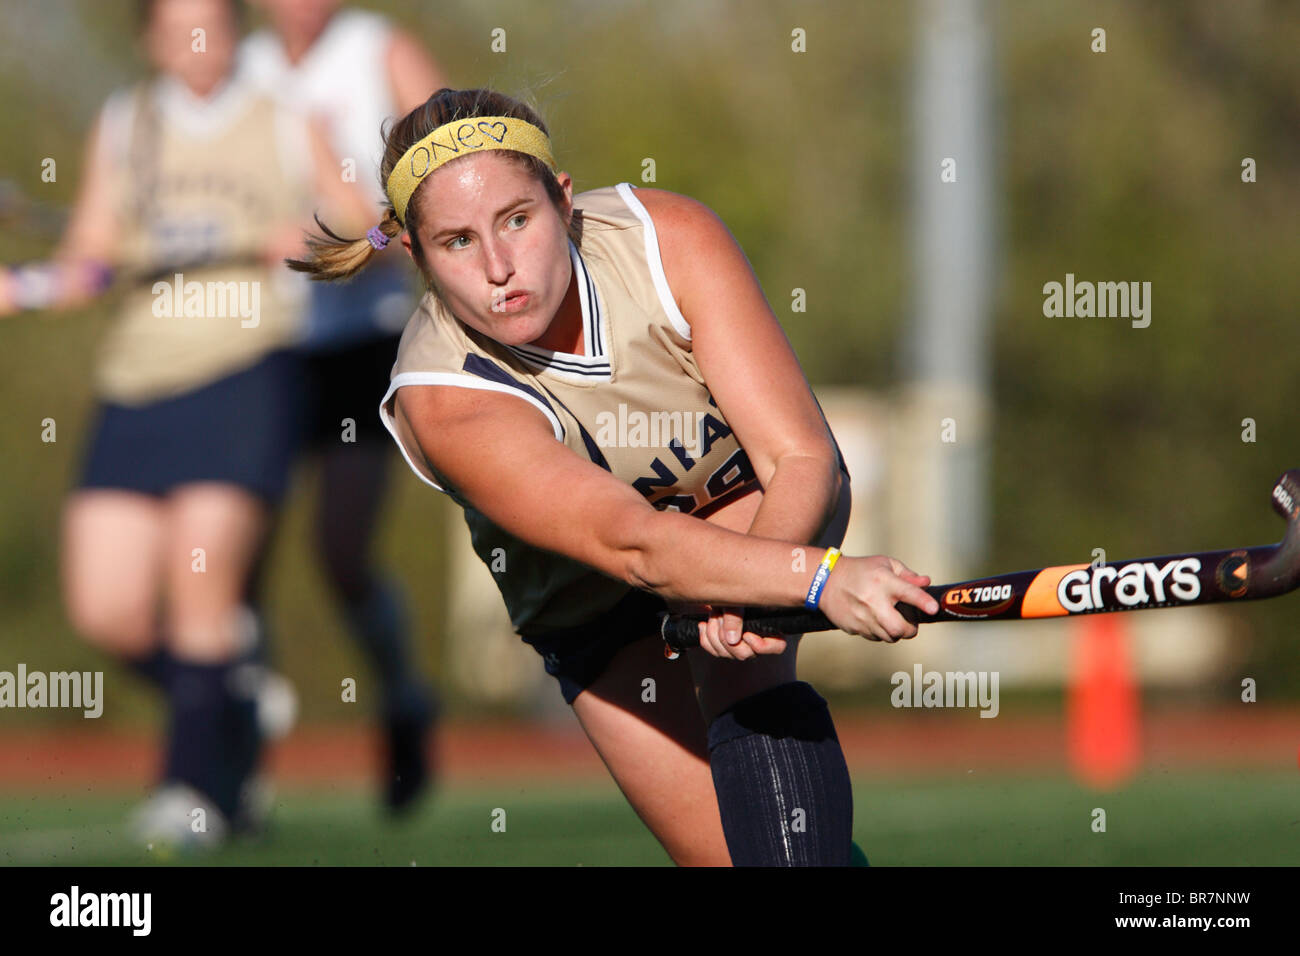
(486,129)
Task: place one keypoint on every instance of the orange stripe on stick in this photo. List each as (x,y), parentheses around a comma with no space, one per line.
(1040,597)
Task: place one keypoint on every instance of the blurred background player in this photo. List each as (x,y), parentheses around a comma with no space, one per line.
(194,187)
(350,71)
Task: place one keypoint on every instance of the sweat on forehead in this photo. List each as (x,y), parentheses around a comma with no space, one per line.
(470,188)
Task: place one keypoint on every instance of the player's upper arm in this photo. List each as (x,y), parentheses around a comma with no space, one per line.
(502,456)
(343,205)
(92,227)
(412,75)
(739,345)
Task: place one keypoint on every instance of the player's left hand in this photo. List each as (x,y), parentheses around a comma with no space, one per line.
(722,636)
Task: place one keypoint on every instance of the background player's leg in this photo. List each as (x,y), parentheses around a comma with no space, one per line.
(214,533)
(111,564)
(657,750)
(277,701)
(353,480)
(352,484)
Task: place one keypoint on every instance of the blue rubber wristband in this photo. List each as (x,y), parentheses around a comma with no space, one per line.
(819,579)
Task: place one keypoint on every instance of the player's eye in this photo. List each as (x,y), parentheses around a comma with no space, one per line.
(452,243)
(519,215)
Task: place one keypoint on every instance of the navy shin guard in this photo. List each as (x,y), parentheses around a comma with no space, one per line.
(782,784)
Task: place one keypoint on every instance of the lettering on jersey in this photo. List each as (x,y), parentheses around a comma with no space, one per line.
(734,473)
(1139,584)
(663,477)
(711,430)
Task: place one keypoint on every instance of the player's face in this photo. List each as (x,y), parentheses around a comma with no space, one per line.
(495,245)
(193,41)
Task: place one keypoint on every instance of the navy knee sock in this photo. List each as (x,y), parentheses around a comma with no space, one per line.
(154,666)
(782,784)
(213,741)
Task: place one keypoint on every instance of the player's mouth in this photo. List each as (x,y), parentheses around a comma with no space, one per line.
(514,302)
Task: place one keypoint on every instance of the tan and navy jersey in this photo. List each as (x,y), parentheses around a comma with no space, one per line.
(634,403)
(197,186)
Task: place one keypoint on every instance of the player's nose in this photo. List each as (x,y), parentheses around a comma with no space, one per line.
(497,261)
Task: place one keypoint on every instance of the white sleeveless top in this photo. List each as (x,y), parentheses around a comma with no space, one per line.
(342,78)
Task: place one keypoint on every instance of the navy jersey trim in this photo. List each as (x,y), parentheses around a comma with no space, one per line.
(593,450)
(477,365)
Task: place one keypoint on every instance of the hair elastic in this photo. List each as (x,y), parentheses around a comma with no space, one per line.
(377,237)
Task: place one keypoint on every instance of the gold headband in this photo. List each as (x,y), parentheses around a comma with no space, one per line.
(455,139)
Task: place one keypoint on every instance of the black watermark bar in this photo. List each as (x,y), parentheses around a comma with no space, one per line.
(334,905)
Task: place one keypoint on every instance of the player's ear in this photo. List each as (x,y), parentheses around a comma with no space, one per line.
(406,244)
(566,184)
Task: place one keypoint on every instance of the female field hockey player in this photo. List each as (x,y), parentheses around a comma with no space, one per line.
(353,70)
(550,318)
(192,189)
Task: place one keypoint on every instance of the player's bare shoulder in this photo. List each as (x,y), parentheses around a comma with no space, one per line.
(693,240)
(677,216)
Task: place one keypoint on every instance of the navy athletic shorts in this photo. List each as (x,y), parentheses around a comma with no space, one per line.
(352,330)
(577,656)
(243,429)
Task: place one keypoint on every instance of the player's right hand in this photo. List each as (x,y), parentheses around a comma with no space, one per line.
(860,595)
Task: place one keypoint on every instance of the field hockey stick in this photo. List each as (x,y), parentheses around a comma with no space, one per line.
(1138,584)
(19,212)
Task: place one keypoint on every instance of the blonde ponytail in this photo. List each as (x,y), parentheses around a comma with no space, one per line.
(331,256)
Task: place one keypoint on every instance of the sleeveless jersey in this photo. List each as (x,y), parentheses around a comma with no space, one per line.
(197,185)
(634,404)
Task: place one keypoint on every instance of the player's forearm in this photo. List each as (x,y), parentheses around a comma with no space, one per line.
(342,204)
(682,558)
(798,500)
